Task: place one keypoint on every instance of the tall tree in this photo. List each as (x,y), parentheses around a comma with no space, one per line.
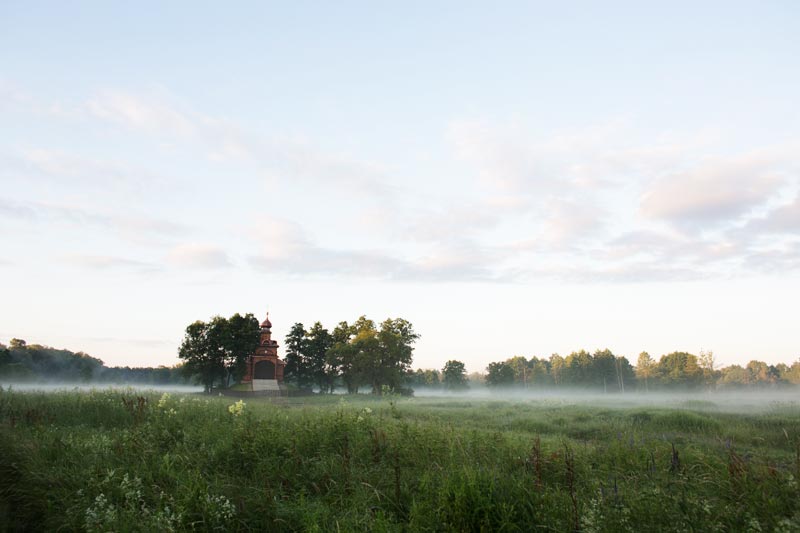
(198,360)
(340,357)
(241,341)
(296,371)
(365,362)
(396,340)
(499,374)
(644,368)
(318,344)
(707,361)
(556,368)
(454,375)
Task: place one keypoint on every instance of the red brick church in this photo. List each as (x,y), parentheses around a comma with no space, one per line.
(264,369)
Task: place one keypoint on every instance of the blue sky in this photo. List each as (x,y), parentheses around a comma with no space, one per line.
(515,179)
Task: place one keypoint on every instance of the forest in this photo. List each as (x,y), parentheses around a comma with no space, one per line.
(364,355)
(23,362)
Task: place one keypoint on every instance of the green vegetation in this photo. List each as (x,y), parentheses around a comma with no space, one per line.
(605,371)
(119,461)
(216,351)
(23,362)
(353,355)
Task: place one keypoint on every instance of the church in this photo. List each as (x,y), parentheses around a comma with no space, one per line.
(264,368)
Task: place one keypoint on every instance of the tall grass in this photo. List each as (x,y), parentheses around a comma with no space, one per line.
(121,461)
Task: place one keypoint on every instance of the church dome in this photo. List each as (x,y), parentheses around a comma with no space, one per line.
(266,323)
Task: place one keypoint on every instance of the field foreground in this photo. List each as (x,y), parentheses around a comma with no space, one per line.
(127,461)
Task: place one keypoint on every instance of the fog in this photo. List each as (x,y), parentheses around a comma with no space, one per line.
(744,401)
(722,401)
(88,387)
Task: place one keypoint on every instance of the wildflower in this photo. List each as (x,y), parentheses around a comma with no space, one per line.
(237,408)
(163,401)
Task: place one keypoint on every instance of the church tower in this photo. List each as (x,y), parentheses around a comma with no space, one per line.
(264,369)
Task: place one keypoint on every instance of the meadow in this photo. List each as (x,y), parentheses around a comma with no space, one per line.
(112,460)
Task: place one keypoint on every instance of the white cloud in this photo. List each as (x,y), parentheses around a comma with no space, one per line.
(201,256)
(156,115)
(716,191)
(108,262)
(140,228)
(781,220)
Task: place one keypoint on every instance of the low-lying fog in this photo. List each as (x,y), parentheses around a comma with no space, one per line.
(729,400)
(85,387)
(737,401)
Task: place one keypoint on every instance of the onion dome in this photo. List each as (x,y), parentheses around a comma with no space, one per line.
(266,323)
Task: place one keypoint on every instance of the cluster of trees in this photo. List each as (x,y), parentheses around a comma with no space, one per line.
(453,377)
(20,361)
(353,355)
(604,370)
(216,352)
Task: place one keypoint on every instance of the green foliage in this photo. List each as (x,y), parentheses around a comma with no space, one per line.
(112,461)
(23,361)
(359,354)
(499,374)
(217,351)
(454,375)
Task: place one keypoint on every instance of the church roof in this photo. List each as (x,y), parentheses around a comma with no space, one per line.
(266,323)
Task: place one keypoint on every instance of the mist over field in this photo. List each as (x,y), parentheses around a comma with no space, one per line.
(125,388)
(722,401)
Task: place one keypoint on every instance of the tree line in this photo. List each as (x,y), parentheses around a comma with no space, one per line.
(21,362)
(352,355)
(603,370)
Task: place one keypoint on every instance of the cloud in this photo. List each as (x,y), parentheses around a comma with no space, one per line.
(715,192)
(108,262)
(279,158)
(135,226)
(781,220)
(200,256)
(287,249)
(16,210)
(155,115)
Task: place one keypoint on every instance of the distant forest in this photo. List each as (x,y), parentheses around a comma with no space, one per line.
(21,362)
(605,371)
(601,370)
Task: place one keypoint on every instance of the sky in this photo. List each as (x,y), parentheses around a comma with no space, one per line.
(514,178)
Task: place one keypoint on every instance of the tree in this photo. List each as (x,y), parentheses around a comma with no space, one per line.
(341,357)
(425,378)
(240,340)
(296,370)
(499,374)
(556,368)
(521,370)
(644,368)
(318,344)
(681,369)
(706,362)
(218,349)
(454,375)
(604,369)
(392,359)
(198,360)
(625,372)
(16,344)
(578,369)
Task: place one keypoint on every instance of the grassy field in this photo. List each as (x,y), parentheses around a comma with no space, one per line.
(126,461)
